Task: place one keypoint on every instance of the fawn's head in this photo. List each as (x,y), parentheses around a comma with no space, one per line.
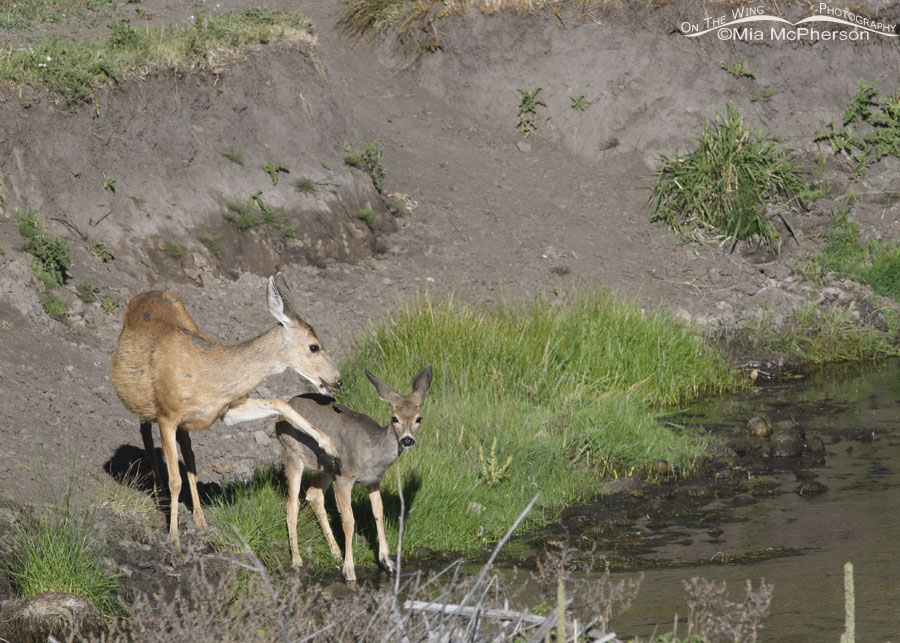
(405,416)
(301,349)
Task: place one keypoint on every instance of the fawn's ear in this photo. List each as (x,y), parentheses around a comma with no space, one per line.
(421,384)
(384,391)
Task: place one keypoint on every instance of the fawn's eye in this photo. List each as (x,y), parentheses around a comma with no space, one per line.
(419,420)
(394,420)
(314,348)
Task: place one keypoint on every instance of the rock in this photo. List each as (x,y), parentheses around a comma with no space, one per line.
(660,467)
(261,438)
(714,532)
(787,426)
(811,488)
(786,444)
(760,427)
(522,146)
(34,619)
(815,444)
(625,484)
(723,474)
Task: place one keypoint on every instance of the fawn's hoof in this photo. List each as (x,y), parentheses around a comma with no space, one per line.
(387,564)
(296,564)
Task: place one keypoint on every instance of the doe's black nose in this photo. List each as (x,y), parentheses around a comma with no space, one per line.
(407,442)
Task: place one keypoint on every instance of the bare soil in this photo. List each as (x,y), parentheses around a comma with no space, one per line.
(493,216)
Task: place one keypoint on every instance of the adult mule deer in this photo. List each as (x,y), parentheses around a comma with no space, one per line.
(164,369)
(367,451)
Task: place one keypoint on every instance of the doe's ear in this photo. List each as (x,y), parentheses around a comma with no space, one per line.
(422,382)
(384,391)
(276,303)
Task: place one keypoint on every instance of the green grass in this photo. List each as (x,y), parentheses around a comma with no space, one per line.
(172,249)
(59,552)
(213,243)
(273,169)
(305,185)
(54,306)
(720,190)
(28,14)
(870,129)
(109,303)
(87,292)
(234,156)
(51,254)
(75,68)
(818,337)
(369,160)
(254,212)
(737,69)
(526,120)
(875,263)
(368,217)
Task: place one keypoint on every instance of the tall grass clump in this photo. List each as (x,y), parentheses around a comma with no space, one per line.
(545,392)
(720,190)
(74,68)
(59,552)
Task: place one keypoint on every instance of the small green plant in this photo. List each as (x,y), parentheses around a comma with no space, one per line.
(109,302)
(139,202)
(102,252)
(527,116)
(721,189)
(110,185)
(609,143)
(54,306)
(172,249)
(369,161)
(234,156)
(492,472)
(737,69)
(60,553)
(870,129)
(395,205)
(213,243)
(765,95)
(368,217)
(87,292)
(579,102)
(51,254)
(305,185)
(254,212)
(273,169)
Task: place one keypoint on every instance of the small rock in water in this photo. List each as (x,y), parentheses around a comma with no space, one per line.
(815,444)
(760,426)
(786,444)
(811,488)
(714,532)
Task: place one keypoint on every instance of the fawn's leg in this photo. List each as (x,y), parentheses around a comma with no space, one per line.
(293,471)
(315,495)
(384,555)
(342,489)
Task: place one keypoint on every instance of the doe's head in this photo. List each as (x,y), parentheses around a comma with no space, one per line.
(405,415)
(302,350)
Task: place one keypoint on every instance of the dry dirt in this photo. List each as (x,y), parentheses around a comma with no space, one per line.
(497,216)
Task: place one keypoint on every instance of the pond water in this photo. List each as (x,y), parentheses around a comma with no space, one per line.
(797,543)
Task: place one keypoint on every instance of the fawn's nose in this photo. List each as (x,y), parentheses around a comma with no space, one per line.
(338,384)
(407,442)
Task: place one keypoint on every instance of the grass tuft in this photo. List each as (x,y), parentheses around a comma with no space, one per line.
(51,254)
(721,189)
(369,161)
(58,553)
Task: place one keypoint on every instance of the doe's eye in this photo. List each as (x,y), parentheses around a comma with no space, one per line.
(419,420)
(394,420)
(314,348)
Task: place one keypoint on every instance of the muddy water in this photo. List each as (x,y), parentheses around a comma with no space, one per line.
(799,544)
